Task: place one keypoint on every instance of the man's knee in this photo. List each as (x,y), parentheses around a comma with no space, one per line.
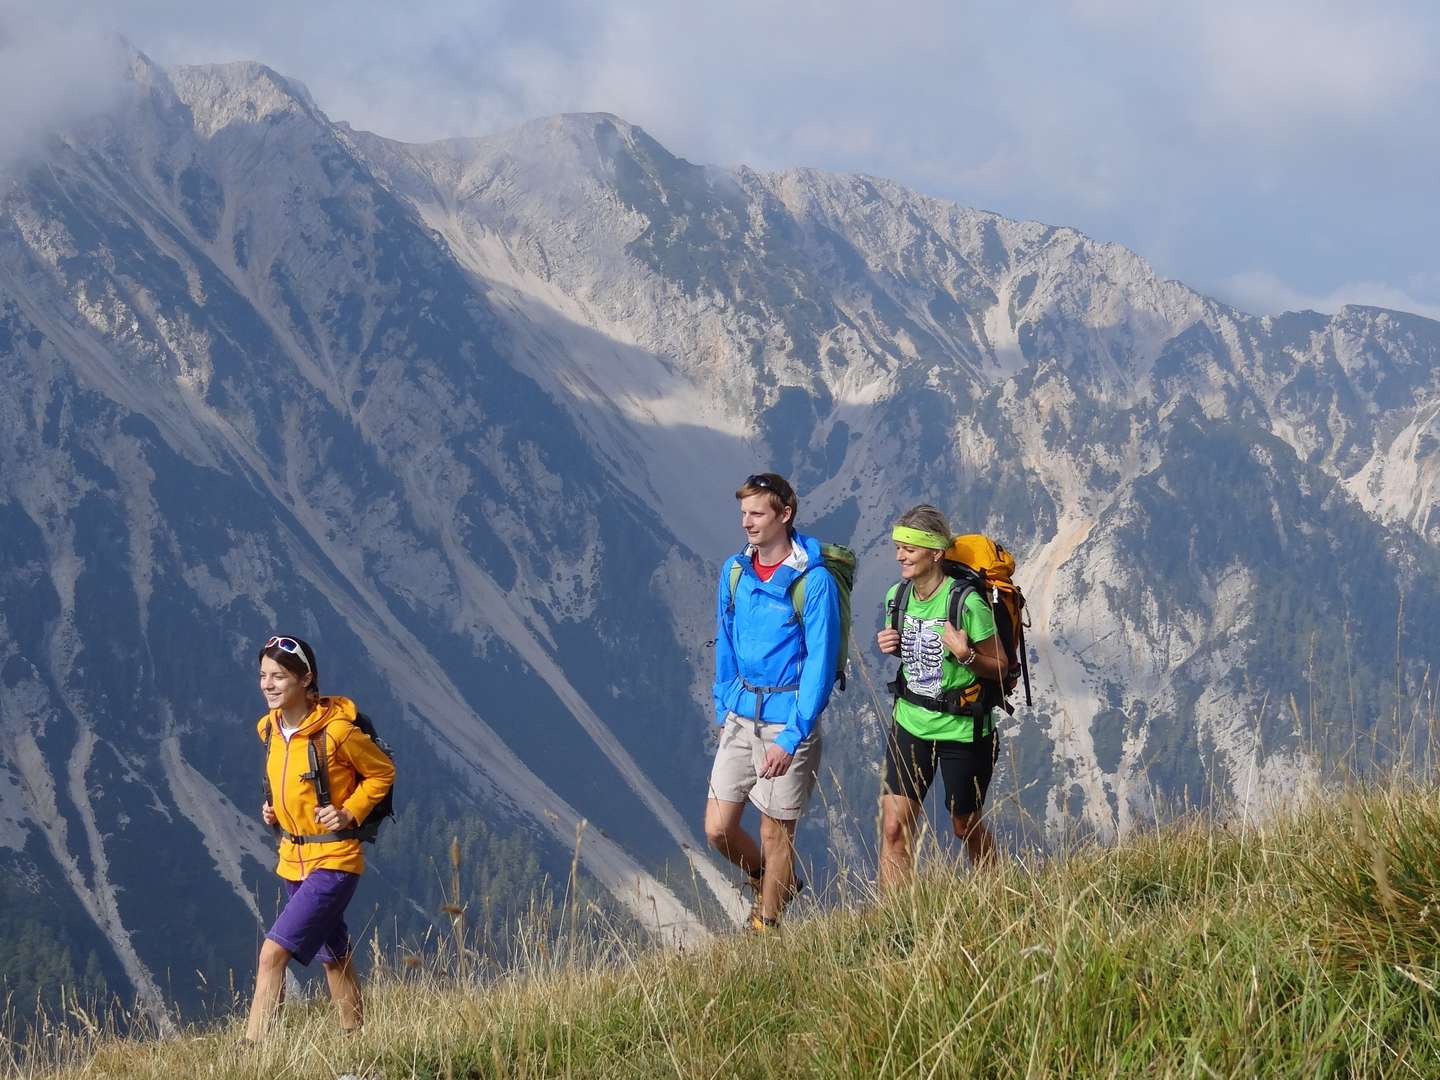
(775,830)
(273,955)
(721,827)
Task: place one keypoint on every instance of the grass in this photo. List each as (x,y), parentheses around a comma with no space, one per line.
(1309,947)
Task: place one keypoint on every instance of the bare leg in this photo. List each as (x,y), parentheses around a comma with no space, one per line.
(778,838)
(345,992)
(979,841)
(269,982)
(898,817)
(722,829)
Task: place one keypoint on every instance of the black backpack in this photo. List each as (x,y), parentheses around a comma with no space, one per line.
(319,775)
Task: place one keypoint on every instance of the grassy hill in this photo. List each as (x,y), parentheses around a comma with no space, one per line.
(1309,947)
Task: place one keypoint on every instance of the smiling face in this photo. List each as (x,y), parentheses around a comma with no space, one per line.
(915,562)
(282,689)
(764,526)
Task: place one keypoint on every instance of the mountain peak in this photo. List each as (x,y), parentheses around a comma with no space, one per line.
(243,91)
(588,138)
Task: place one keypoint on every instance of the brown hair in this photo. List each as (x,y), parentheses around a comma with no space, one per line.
(777,487)
(925,517)
(293,664)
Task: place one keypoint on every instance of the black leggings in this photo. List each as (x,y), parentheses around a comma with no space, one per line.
(966,768)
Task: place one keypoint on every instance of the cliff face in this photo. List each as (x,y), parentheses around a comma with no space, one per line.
(469,417)
(1215,513)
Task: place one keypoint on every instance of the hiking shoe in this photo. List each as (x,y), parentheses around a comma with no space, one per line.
(755,880)
(758,924)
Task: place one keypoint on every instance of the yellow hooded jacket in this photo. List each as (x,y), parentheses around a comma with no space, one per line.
(350,755)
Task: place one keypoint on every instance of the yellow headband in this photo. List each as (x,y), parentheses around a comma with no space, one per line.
(919,538)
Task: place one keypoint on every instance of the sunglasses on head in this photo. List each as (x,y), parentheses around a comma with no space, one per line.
(760,480)
(290,645)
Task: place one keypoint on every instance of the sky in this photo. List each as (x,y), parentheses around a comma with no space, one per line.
(1277,154)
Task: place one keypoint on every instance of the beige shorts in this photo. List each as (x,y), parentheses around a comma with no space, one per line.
(735,775)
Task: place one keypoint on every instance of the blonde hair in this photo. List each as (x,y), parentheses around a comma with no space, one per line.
(926,518)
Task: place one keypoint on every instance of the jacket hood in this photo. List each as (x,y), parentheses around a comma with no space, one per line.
(804,552)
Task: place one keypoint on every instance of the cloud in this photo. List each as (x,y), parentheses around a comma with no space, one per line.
(1276,64)
(1322,62)
(57,68)
(1263,293)
(1288,134)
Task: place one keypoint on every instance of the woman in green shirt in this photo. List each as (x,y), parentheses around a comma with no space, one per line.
(939,698)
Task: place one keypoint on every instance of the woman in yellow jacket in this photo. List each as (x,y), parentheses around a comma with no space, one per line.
(320,857)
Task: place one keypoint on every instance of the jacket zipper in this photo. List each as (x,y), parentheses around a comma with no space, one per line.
(284,775)
(767,589)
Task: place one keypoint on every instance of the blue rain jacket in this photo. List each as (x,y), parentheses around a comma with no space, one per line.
(760,641)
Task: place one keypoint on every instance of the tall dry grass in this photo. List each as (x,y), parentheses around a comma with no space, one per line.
(1308,947)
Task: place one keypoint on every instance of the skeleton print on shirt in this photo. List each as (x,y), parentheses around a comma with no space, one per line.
(923,654)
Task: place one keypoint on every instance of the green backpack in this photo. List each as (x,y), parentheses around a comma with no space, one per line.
(839,561)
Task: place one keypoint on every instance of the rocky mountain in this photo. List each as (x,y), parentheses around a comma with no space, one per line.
(1193,490)
(469,416)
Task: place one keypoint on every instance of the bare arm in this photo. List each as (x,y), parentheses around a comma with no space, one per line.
(990,662)
(989,659)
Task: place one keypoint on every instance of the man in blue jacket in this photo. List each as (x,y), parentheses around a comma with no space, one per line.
(774,668)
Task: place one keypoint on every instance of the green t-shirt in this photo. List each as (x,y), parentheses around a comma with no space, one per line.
(929,667)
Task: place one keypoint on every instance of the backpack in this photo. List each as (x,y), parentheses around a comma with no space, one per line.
(980,565)
(319,775)
(839,562)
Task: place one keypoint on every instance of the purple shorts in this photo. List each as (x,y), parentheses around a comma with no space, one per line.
(312,923)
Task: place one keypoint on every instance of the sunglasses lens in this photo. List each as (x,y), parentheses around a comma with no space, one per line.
(291,646)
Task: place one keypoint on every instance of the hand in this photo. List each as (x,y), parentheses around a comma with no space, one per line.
(956,642)
(777,763)
(888,640)
(334,818)
(267,814)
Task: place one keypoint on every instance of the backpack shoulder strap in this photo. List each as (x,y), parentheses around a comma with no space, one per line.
(955,611)
(265,766)
(797,597)
(902,601)
(319,767)
(735,570)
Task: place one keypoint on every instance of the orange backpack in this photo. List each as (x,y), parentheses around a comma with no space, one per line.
(984,566)
(980,565)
